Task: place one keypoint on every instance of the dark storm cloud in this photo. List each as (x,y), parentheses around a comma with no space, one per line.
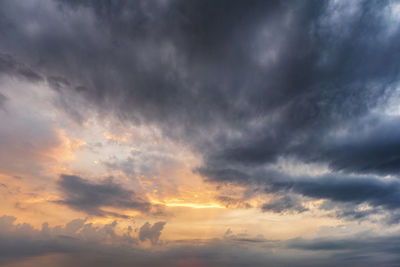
(370,145)
(347,191)
(199,66)
(243,83)
(82,195)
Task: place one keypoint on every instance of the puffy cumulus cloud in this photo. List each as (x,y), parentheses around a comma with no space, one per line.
(83,195)
(151,232)
(84,244)
(243,84)
(20,241)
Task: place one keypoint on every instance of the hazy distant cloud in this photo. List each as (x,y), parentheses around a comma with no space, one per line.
(151,232)
(20,241)
(84,244)
(82,195)
(355,249)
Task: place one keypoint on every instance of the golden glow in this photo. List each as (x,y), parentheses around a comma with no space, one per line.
(178,203)
(196,206)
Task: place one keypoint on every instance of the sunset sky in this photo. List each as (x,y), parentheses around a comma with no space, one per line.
(199,133)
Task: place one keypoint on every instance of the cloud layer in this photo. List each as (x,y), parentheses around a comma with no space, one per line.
(295,103)
(84,244)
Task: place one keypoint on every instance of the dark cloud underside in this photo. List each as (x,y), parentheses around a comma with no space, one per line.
(82,195)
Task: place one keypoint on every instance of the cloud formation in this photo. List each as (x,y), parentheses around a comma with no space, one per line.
(9,65)
(82,243)
(151,232)
(344,190)
(285,203)
(82,195)
(249,87)
(252,83)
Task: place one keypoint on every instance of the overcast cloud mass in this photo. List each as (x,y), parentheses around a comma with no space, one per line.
(137,133)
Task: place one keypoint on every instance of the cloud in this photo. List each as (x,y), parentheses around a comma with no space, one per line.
(285,203)
(368,145)
(151,232)
(345,191)
(10,66)
(80,194)
(234,86)
(3,100)
(84,244)
(353,250)
(233,202)
(22,240)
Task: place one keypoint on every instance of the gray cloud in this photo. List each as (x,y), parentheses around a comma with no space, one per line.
(20,241)
(353,250)
(151,232)
(3,100)
(10,66)
(80,243)
(268,72)
(82,195)
(233,202)
(346,191)
(376,192)
(285,203)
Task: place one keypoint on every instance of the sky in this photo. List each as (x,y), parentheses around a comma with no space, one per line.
(199,133)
